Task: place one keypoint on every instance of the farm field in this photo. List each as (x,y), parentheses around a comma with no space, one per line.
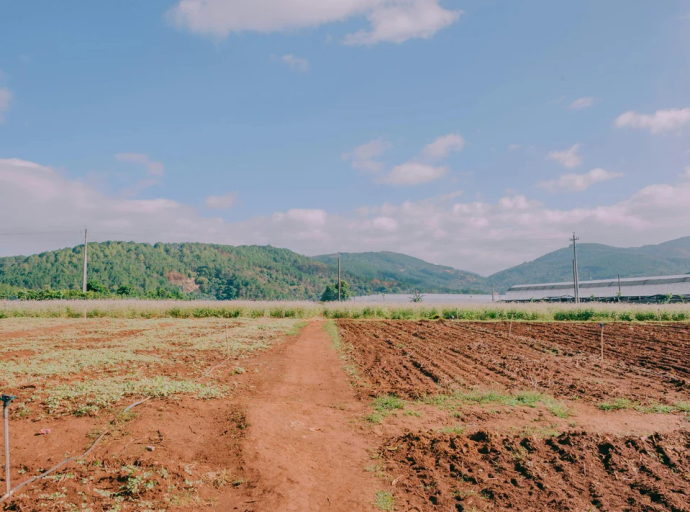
(287,414)
(531,420)
(180,448)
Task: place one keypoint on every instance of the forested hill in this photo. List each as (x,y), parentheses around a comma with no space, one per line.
(598,261)
(210,271)
(385,269)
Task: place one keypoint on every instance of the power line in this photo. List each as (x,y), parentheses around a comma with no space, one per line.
(38,233)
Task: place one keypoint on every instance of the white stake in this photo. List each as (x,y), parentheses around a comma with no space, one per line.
(6,399)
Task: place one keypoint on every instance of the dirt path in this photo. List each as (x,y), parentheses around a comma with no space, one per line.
(304,448)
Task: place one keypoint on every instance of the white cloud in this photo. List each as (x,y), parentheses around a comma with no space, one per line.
(305,221)
(579,182)
(153,168)
(385,224)
(581,103)
(5,100)
(399,21)
(514,147)
(443,146)
(365,157)
(414,173)
(138,187)
(660,121)
(483,236)
(295,63)
(221,202)
(419,169)
(390,20)
(568,158)
(686,172)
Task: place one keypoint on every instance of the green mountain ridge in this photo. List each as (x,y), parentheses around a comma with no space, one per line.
(387,268)
(223,272)
(215,271)
(598,261)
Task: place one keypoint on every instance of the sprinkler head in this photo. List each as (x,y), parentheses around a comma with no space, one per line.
(6,399)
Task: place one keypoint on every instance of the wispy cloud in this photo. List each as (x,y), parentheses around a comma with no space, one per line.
(398,21)
(295,63)
(581,103)
(568,158)
(420,169)
(366,156)
(414,173)
(660,121)
(514,147)
(223,202)
(443,146)
(153,168)
(5,100)
(578,182)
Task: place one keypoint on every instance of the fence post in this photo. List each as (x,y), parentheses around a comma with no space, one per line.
(6,399)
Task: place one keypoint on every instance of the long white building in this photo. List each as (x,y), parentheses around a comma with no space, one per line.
(631,289)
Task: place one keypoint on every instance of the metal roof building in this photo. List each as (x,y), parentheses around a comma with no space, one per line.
(634,289)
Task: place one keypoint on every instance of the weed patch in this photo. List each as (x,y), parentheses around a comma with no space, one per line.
(384,500)
(486,397)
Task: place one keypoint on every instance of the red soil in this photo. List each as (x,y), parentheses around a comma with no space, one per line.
(575,471)
(303,445)
(412,359)
(292,436)
(286,439)
(521,458)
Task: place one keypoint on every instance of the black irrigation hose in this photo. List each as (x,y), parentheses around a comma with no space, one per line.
(70,459)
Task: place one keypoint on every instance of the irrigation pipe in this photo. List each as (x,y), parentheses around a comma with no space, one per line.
(209,371)
(137,403)
(70,459)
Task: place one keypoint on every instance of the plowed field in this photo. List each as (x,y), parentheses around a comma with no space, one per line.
(616,440)
(575,471)
(642,363)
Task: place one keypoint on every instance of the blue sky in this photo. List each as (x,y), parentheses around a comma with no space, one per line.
(476,134)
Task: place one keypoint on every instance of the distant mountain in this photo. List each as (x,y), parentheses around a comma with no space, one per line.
(392,272)
(199,270)
(225,272)
(268,273)
(598,261)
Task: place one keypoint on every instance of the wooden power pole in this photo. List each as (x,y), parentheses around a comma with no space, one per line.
(338,278)
(83,283)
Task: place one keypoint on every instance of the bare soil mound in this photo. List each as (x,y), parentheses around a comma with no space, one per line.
(575,471)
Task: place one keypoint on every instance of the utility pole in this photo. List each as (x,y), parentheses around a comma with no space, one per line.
(83,283)
(338,278)
(619,287)
(492,294)
(576,282)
